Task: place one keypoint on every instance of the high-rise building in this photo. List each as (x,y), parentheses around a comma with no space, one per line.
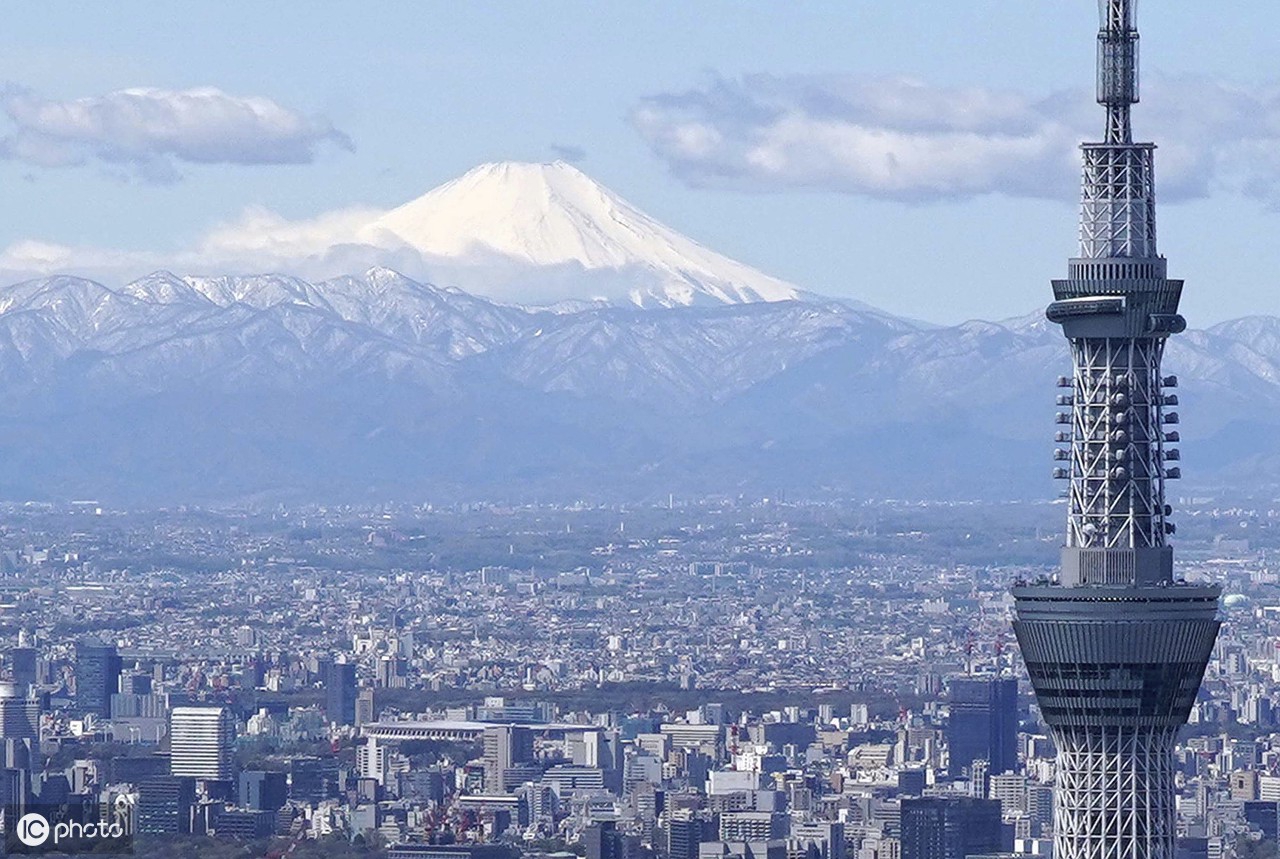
(1116,646)
(1010,790)
(24,662)
(602,840)
(912,781)
(822,839)
(200,742)
(1244,784)
(97,676)
(371,760)
(365,712)
(19,729)
(684,834)
(340,693)
(983,725)
(135,683)
(505,746)
(261,790)
(950,827)
(19,715)
(15,789)
(165,804)
(753,825)
(390,673)
(313,779)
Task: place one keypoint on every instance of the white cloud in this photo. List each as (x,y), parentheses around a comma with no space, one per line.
(892,139)
(336,242)
(149,130)
(266,234)
(906,140)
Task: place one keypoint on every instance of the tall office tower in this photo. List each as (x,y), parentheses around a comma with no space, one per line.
(340,693)
(390,673)
(364,707)
(200,742)
(602,749)
(261,790)
(313,779)
(15,790)
(24,661)
(165,804)
(983,725)
(19,716)
(684,833)
(1116,647)
(950,827)
(602,840)
(19,729)
(97,676)
(505,746)
(371,760)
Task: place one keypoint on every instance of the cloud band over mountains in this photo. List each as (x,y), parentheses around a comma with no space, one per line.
(148,130)
(892,139)
(901,139)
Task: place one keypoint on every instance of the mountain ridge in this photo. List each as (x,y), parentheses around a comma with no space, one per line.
(177,388)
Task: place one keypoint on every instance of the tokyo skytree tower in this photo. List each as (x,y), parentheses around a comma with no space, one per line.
(1116,646)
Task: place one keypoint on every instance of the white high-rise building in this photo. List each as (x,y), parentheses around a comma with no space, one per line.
(19,715)
(371,760)
(200,742)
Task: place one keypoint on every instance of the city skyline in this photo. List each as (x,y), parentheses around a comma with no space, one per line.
(561,512)
(781,673)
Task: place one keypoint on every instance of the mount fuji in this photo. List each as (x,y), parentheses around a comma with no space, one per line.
(537,233)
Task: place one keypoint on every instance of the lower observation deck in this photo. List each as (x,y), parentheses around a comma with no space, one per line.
(1122,656)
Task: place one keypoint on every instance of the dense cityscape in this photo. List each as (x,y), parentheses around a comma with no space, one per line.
(804,666)
(695,678)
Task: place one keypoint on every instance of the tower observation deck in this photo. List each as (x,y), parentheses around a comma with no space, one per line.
(1116,646)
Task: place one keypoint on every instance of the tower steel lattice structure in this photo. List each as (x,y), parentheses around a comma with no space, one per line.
(1115,646)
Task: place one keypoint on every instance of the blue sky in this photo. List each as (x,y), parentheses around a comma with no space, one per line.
(379,102)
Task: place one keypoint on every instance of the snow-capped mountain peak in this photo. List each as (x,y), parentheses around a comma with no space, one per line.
(258,291)
(163,287)
(554,215)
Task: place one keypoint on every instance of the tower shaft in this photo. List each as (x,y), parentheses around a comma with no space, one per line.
(1116,648)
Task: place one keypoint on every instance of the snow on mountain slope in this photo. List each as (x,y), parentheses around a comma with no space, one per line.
(78,301)
(551,215)
(454,323)
(684,355)
(804,392)
(86,312)
(260,291)
(164,287)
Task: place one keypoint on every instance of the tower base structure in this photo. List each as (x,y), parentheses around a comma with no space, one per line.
(1116,671)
